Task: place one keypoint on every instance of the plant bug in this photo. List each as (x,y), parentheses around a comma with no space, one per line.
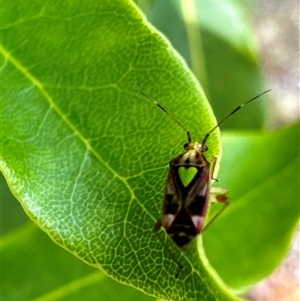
(188,189)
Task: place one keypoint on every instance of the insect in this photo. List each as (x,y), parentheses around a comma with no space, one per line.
(188,189)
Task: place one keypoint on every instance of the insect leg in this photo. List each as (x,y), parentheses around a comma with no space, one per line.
(158,225)
(218,195)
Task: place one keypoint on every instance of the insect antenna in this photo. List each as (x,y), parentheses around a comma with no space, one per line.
(231,113)
(189,137)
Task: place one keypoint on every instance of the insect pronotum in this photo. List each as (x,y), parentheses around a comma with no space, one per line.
(188,186)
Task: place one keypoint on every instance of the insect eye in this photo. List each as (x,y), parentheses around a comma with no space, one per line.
(186,146)
(204,148)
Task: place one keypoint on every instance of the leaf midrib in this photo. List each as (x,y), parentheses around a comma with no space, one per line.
(69,124)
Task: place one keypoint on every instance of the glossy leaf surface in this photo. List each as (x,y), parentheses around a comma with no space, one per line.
(84,151)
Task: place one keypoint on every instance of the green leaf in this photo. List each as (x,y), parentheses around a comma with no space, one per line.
(81,148)
(12,213)
(217,42)
(47,272)
(254,234)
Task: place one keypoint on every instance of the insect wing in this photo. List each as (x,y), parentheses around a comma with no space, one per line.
(186,199)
